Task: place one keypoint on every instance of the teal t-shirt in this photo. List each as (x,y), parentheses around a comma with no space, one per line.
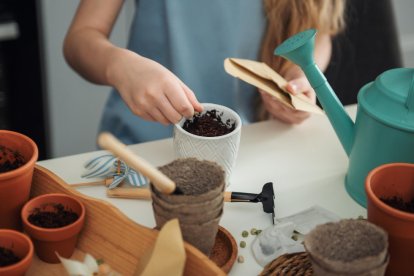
(191,38)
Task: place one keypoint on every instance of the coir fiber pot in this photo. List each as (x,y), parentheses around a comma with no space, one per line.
(190,208)
(15,184)
(199,217)
(21,246)
(61,240)
(388,181)
(348,247)
(201,184)
(201,235)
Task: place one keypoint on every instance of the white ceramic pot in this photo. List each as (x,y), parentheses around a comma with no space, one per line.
(220,149)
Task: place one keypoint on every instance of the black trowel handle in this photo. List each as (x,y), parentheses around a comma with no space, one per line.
(241,197)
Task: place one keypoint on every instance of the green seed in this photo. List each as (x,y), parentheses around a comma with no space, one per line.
(245,234)
(242,244)
(294,237)
(99,261)
(258,232)
(240,259)
(253,231)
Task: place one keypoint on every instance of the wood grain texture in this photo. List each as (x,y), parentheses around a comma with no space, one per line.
(109,235)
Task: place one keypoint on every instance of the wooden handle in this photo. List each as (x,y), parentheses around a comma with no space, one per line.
(227,196)
(142,193)
(102,182)
(161,182)
(132,193)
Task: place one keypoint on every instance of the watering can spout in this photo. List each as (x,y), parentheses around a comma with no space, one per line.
(299,49)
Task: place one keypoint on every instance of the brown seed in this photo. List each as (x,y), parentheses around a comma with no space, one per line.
(240,259)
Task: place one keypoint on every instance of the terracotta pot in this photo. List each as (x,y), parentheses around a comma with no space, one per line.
(386,181)
(15,184)
(21,246)
(47,241)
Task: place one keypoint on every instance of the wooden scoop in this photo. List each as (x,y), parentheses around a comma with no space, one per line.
(160,181)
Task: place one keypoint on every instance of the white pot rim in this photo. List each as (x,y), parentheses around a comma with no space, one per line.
(221,108)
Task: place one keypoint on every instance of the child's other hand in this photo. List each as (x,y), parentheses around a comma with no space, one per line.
(283,113)
(150,90)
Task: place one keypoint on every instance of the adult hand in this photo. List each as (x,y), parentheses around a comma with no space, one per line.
(150,90)
(297,84)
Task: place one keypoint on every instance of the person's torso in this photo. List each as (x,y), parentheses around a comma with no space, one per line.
(192,38)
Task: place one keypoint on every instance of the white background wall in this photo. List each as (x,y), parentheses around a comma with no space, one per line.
(75,105)
(404,10)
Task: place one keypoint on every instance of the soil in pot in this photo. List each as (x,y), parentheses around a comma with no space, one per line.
(10,159)
(193,176)
(52,216)
(209,124)
(7,257)
(398,203)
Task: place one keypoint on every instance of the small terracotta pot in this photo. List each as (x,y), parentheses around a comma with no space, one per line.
(387,181)
(15,185)
(49,241)
(21,246)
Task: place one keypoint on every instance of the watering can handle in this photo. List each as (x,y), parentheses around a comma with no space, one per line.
(409,103)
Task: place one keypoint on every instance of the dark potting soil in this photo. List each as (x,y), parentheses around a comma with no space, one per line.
(209,124)
(55,218)
(399,203)
(10,159)
(7,257)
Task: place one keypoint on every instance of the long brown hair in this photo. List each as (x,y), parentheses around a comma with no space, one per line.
(288,17)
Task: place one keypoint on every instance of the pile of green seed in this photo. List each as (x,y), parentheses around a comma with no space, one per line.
(242,243)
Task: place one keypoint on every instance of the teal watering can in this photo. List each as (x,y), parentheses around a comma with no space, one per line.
(383,131)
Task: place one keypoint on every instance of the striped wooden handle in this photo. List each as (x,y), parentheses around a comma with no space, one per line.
(161,182)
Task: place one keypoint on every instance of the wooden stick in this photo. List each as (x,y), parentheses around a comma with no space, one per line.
(103,182)
(142,193)
(132,193)
(160,180)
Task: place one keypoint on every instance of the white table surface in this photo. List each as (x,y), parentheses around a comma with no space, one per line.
(305,162)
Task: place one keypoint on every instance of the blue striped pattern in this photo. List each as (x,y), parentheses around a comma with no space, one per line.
(106,166)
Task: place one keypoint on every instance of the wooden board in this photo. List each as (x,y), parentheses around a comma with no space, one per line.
(110,235)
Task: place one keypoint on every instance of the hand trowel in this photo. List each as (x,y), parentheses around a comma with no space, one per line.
(266,196)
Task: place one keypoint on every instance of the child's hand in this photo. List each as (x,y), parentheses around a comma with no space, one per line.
(150,90)
(283,113)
